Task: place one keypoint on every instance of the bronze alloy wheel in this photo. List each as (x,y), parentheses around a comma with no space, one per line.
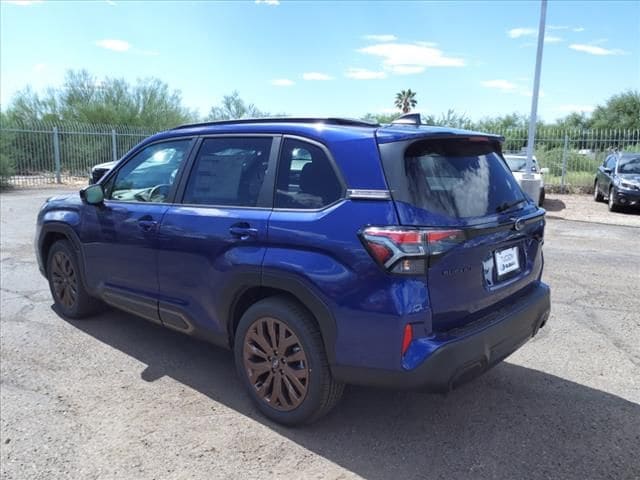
(65,280)
(276,364)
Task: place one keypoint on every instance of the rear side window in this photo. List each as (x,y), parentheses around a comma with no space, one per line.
(229,171)
(455,178)
(306,179)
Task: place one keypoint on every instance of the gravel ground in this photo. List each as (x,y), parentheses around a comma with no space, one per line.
(116,397)
(583,208)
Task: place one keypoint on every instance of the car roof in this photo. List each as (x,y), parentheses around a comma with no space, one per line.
(323,129)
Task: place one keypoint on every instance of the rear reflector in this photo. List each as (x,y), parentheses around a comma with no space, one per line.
(407,337)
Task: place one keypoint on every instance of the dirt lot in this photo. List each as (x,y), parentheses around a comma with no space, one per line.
(116,397)
(584,209)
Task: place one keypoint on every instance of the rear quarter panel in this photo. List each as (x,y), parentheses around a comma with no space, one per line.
(322,251)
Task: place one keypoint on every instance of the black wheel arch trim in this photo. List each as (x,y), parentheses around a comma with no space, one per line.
(294,286)
(310,300)
(72,236)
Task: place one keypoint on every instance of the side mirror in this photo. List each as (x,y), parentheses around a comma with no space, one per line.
(544,170)
(607,170)
(93,194)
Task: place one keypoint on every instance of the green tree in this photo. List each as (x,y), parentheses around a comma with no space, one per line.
(502,123)
(232,107)
(449,119)
(621,111)
(575,121)
(84,98)
(7,167)
(406,100)
(380,118)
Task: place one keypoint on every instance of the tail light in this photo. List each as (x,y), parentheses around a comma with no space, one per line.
(405,250)
(407,337)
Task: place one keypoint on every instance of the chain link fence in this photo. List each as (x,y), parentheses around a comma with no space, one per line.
(43,153)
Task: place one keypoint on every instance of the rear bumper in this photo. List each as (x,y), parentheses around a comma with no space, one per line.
(443,363)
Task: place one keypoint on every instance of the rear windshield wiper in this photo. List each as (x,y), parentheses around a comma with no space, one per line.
(509,205)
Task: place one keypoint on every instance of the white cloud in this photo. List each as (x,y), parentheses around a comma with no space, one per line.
(22,3)
(552,39)
(364,74)
(282,82)
(509,87)
(504,85)
(570,108)
(594,50)
(39,67)
(578,29)
(115,45)
(124,46)
(406,58)
(316,76)
(522,32)
(381,38)
(268,2)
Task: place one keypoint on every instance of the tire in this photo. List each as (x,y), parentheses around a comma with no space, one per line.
(597,196)
(66,282)
(261,367)
(611,202)
(542,195)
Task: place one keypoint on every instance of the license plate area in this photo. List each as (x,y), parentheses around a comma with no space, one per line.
(507,262)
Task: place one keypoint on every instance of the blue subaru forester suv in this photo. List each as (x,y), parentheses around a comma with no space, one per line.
(324,252)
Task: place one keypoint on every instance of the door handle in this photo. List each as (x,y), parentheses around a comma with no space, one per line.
(243,232)
(147,225)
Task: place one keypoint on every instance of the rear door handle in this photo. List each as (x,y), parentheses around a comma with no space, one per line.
(147,225)
(243,232)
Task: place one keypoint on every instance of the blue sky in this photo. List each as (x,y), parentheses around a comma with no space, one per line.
(333,58)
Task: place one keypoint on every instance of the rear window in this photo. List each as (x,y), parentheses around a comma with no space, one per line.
(455,178)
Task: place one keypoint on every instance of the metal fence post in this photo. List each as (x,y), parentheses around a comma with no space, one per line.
(56,154)
(564,162)
(114,145)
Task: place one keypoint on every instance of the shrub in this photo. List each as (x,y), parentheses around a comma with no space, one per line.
(6,169)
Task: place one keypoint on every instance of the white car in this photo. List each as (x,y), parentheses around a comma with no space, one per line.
(517,165)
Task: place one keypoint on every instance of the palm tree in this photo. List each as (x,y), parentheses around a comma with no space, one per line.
(406,100)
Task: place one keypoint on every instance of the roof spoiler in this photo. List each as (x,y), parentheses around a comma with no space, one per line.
(408,119)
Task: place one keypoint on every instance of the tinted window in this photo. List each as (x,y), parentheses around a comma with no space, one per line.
(229,171)
(150,174)
(629,164)
(306,179)
(518,164)
(455,178)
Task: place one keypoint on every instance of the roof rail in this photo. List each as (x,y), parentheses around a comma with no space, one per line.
(408,119)
(348,122)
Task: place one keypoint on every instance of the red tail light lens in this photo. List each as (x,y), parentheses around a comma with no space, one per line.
(404,250)
(442,240)
(406,338)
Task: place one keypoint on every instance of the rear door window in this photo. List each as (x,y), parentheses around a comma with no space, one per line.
(306,179)
(229,171)
(456,178)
